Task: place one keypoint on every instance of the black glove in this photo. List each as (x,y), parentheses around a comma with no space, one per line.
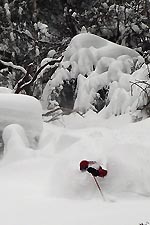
(93,171)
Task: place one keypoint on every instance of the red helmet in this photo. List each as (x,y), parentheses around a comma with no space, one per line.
(84,165)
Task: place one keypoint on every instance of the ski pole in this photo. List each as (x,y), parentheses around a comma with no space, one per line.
(100,190)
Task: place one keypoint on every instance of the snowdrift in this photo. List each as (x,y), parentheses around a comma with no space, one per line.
(36,185)
(124,151)
(23,110)
(16,144)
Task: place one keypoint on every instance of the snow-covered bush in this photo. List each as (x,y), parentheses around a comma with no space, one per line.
(101,70)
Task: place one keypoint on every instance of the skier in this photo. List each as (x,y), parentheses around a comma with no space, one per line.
(93,167)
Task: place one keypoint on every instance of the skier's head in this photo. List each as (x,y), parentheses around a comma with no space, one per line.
(84,165)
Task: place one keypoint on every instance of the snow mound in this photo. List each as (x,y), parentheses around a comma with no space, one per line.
(16,144)
(23,110)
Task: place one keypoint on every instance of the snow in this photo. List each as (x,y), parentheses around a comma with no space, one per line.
(28,33)
(51,53)
(6,7)
(10,64)
(5,90)
(83,30)
(14,138)
(136,28)
(45,60)
(38,185)
(25,110)
(20,10)
(42,27)
(97,63)
(12,38)
(102,46)
(85,64)
(37,52)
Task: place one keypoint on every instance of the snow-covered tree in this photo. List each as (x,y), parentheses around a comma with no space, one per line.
(98,74)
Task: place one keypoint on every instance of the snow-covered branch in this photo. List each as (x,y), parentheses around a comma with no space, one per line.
(13,66)
(30,78)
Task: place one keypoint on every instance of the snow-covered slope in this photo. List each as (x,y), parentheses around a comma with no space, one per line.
(46,186)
